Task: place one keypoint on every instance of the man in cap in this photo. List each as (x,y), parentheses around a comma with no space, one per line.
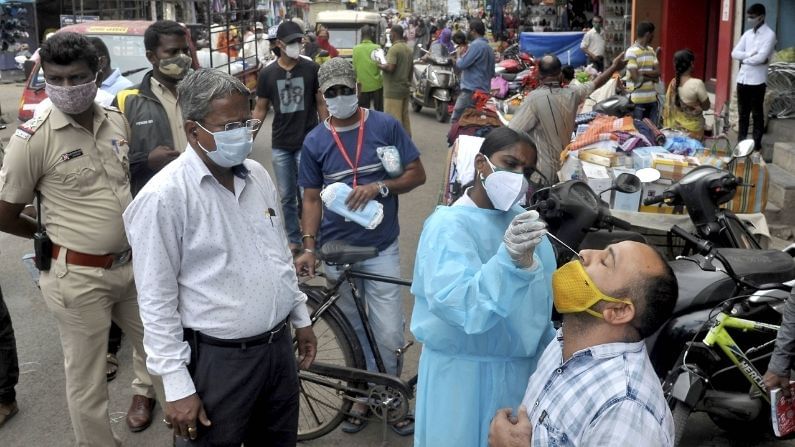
(343,149)
(291,86)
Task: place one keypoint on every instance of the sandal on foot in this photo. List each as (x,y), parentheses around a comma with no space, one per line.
(356,421)
(405,430)
(112,366)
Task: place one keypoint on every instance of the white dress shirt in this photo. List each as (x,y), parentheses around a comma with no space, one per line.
(593,42)
(208,259)
(754,51)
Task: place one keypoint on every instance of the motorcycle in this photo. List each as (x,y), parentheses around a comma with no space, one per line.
(702,191)
(433,83)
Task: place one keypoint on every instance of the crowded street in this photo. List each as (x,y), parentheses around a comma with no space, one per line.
(44,419)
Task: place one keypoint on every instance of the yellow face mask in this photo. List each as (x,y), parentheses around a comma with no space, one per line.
(575,291)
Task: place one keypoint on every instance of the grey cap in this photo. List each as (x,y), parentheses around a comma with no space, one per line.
(336,71)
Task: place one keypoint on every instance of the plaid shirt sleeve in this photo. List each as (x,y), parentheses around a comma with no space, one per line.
(626,422)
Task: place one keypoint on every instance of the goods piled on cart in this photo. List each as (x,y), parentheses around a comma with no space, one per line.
(606,146)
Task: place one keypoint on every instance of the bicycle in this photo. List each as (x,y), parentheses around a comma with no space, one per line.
(338,377)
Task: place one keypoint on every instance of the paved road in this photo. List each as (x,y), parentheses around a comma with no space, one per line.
(43,419)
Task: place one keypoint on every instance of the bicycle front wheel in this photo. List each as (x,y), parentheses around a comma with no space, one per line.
(323,404)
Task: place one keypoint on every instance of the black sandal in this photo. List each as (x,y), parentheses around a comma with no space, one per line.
(112,366)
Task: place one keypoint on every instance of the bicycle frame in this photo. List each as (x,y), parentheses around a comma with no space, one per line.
(719,335)
(345,373)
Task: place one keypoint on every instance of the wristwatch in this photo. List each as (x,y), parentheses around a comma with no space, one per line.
(382,189)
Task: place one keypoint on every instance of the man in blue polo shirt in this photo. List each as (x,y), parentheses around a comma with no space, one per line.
(343,149)
(477,67)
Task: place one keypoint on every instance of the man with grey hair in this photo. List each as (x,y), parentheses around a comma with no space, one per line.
(217,288)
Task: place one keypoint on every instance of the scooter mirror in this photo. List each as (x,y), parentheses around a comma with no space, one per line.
(743,149)
(647,175)
(627,183)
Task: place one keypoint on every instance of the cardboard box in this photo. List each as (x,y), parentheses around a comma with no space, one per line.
(671,166)
(595,158)
(597,178)
(623,201)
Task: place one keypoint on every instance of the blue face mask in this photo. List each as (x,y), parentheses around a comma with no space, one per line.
(231,146)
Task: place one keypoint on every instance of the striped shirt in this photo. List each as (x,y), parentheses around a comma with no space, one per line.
(644,59)
(605,395)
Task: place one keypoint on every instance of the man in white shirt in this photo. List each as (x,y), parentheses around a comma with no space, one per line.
(593,44)
(217,288)
(753,51)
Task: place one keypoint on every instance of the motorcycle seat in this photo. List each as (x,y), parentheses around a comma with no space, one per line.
(508,76)
(760,266)
(341,253)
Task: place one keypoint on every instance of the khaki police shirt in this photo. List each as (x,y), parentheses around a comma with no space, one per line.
(83,177)
(174,112)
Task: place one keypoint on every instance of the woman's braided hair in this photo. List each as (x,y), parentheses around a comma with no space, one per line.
(683,61)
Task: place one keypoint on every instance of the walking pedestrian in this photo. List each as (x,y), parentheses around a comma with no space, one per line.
(369,83)
(476,62)
(397,78)
(290,85)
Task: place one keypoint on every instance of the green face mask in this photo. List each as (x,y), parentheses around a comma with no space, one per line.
(597,27)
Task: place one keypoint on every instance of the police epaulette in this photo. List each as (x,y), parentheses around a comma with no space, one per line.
(26,130)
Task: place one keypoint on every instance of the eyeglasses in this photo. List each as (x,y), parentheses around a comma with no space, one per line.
(333,92)
(251,125)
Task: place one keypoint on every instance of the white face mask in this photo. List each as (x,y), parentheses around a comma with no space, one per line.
(504,188)
(293,50)
(343,106)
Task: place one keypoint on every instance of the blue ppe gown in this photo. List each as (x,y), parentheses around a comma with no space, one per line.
(483,322)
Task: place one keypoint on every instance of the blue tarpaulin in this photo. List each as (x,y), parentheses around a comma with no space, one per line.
(566,46)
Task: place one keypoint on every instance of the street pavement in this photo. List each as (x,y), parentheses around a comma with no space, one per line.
(43,419)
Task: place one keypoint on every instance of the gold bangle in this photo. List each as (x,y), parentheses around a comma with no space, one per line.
(311,236)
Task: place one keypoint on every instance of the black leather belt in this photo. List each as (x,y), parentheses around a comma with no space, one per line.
(265,338)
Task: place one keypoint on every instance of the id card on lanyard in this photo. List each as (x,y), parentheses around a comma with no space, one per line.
(341,147)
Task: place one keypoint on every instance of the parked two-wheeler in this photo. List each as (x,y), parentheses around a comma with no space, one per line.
(702,191)
(433,83)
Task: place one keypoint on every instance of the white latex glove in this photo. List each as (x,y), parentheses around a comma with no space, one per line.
(522,236)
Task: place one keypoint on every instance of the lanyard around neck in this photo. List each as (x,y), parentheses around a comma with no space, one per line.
(341,147)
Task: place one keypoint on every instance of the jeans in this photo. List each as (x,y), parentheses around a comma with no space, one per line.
(750,101)
(648,110)
(285,167)
(463,102)
(9,363)
(384,308)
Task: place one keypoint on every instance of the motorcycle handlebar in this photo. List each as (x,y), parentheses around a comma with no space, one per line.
(616,222)
(702,246)
(653,200)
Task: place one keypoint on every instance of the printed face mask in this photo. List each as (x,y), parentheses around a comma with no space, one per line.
(574,291)
(504,188)
(231,146)
(74,99)
(343,106)
(293,50)
(175,67)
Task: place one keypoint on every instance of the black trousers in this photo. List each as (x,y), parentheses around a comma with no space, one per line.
(750,99)
(376,98)
(114,338)
(250,395)
(598,63)
(9,363)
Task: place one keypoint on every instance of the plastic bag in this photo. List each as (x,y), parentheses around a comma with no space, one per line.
(390,159)
(334,196)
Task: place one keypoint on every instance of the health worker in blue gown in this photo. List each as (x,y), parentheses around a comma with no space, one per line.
(482,283)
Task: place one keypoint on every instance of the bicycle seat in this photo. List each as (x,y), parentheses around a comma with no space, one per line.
(341,253)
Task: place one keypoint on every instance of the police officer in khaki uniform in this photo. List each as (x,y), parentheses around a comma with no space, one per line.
(75,156)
